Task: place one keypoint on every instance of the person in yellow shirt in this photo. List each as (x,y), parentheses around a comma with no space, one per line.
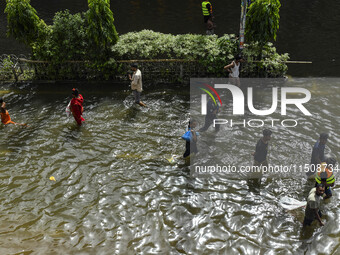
(208,16)
(326,176)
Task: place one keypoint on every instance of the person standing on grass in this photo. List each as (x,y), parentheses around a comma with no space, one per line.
(136,84)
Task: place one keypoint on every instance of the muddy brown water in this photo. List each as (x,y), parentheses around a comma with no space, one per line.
(116,193)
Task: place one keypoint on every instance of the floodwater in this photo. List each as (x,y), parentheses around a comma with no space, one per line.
(116,193)
(308,29)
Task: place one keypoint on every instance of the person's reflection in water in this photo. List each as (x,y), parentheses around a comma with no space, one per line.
(260,160)
(254,185)
(131,113)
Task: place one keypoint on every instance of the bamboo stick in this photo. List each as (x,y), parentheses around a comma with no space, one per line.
(153,61)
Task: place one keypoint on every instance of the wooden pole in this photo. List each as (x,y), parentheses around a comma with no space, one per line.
(287,62)
(244,4)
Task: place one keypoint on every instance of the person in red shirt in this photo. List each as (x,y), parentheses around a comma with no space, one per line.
(76,106)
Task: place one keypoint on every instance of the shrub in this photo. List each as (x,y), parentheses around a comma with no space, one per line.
(101,30)
(6,66)
(71,37)
(212,52)
(271,64)
(67,39)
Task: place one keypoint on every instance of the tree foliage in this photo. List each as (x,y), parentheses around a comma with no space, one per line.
(262,21)
(67,39)
(82,36)
(101,30)
(23,22)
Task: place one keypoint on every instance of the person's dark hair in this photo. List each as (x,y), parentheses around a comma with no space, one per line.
(330,161)
(192,121)
(323,176)
(238,57)
(320,185)
(1,100)
(323,136)
(134,65)
(75,92)
(266,132)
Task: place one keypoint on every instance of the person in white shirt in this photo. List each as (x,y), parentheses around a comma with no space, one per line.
(234,70)
(136,84)
(313,205)
(234,67)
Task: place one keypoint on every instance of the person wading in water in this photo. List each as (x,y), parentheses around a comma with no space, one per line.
(136,84)
(76,106)
(5,118)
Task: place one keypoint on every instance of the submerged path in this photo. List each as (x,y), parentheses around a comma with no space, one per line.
(115,192)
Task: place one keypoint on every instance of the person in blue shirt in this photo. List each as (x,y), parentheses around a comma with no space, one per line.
(318,153)
(191,146)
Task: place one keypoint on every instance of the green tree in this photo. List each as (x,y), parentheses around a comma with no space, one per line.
(262,21)
(101,29)
(67,39)
(23,22)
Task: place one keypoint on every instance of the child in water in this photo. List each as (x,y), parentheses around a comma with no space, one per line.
(76,106)
(5,118)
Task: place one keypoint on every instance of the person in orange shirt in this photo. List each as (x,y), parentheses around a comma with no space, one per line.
(5,118)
